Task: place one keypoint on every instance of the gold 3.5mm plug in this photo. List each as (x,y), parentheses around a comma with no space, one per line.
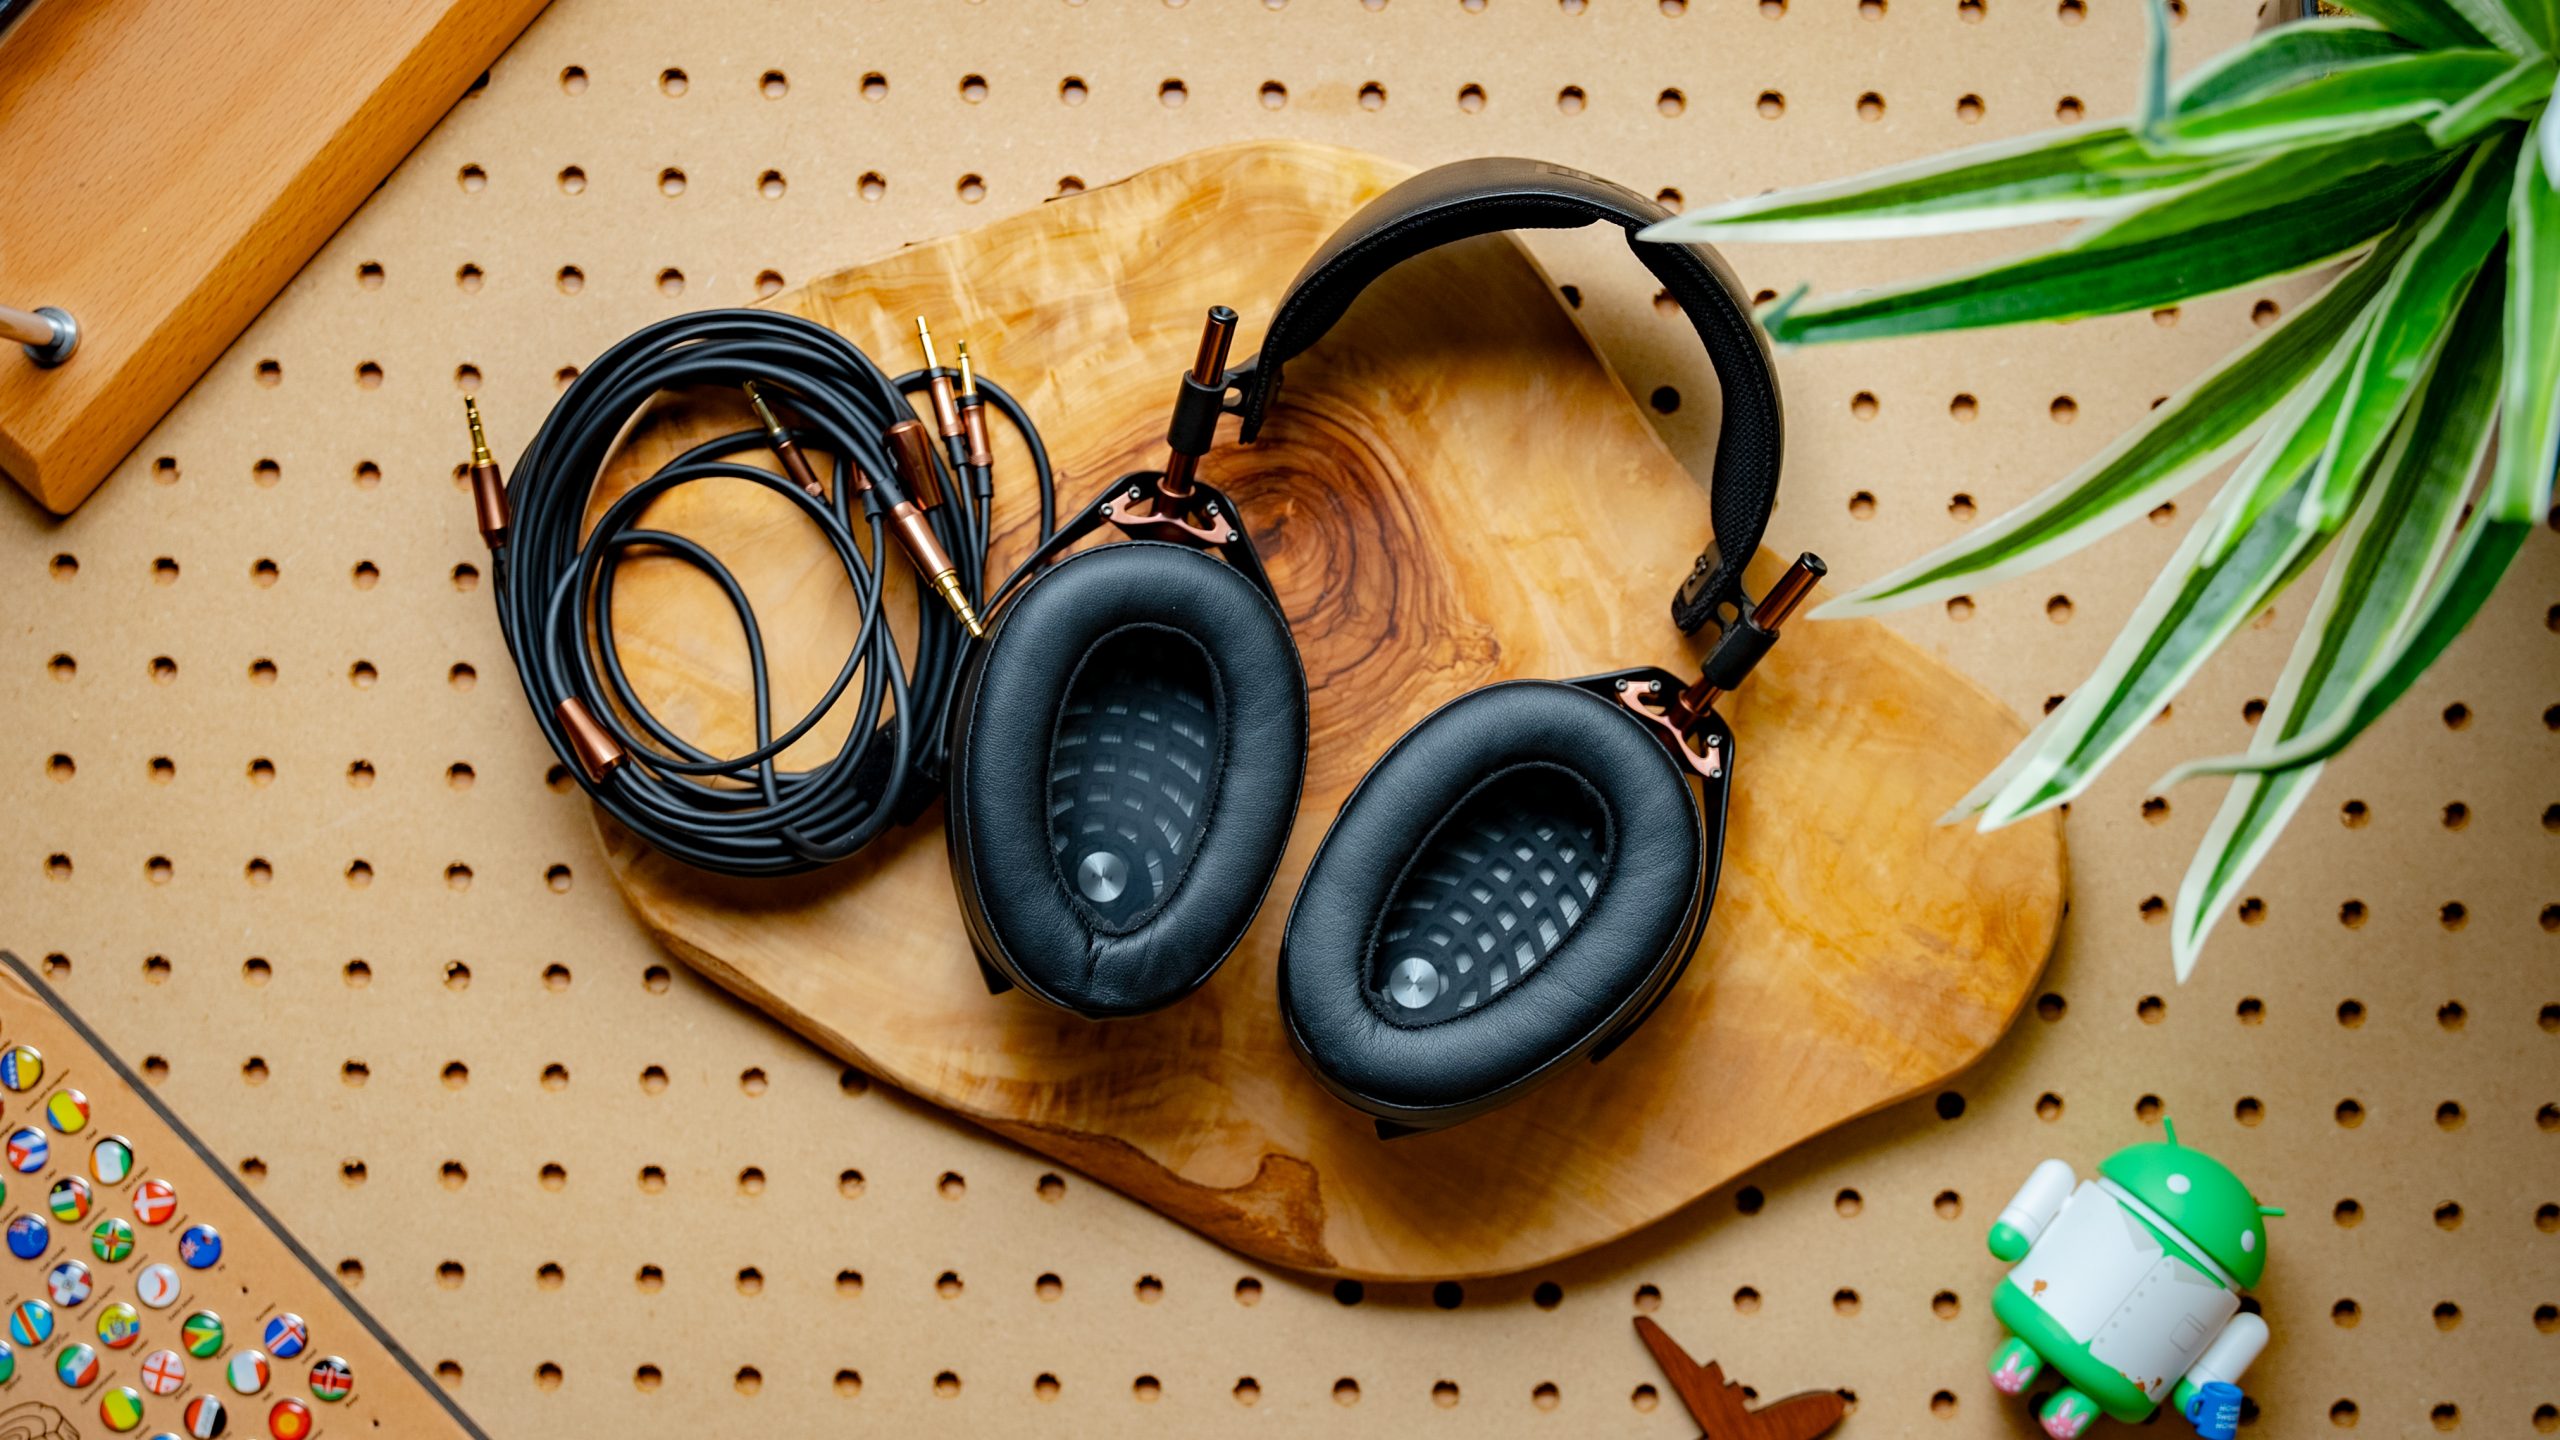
(946,414)
(488,487)
(973,420)
(912,453)
(785,450)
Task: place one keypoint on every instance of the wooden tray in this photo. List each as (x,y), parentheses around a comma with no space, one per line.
(259,1275)
(169,164)
(1455,491)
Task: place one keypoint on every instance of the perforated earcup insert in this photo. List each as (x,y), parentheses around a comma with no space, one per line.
(1513,759)
(1064,685)
(1491,895)
(1133,772)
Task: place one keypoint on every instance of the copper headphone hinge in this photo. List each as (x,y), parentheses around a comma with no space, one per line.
(1666,710)
(1167,518)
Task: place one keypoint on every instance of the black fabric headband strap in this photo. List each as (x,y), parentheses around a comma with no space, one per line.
(1480,197)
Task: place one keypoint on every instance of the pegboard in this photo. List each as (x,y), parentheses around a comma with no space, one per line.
(279,824)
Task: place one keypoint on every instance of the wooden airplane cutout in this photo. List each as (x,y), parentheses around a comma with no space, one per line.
(1717,1403)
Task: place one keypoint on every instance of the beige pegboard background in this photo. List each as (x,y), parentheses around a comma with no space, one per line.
(279,825)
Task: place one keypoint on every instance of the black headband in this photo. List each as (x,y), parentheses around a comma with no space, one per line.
(1481,197)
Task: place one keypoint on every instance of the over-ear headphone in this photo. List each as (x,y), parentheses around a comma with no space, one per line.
(1519,879)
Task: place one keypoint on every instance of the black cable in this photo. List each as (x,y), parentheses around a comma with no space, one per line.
(745,814)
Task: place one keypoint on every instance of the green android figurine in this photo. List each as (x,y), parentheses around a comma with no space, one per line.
(2129,1285)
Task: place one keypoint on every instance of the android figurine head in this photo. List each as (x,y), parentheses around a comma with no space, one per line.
(2201,1199)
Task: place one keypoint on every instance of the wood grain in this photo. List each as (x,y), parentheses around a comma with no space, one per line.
(170,164)
(1456,490)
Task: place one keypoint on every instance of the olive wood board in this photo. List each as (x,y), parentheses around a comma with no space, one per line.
(1455,490)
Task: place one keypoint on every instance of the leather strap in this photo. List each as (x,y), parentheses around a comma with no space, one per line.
(1483,196)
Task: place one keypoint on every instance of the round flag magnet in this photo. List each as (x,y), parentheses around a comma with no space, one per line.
(112,1240)
(119,1326)
(28,1150)
(28,1237)
(331,1378)
(120,1409)
(200,1246)
(21,1067)
(156,1286)
(154,1201)
(69,1199)
(248,1372)
(8,1364)
(163,1373)
(111,1159)
(77,1366)
(202,1334)
(68,1283)
(204,1417)
(290,1420)
(286,1336)
(31,1323)
(68,1110)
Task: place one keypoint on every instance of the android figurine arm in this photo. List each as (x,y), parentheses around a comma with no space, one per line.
(2031,1210)
(2226,1359)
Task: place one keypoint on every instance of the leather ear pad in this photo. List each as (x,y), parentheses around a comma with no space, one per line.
(1426,801)
(1157,689)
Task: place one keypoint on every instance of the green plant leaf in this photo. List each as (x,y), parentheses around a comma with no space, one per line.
(2294,440)
(2529,400)
(2066,175)
(2063,176)
(2372,590)
(2190,610)
(2514,94)
(2277,58)
(2151,121)
(2432,23)
(2147,266)
(2185,438)
(2413,314)
(2519,486)
(2511,25)
(2355,99)
(2253,183)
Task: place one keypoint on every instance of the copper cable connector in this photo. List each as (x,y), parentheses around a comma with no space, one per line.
(1208,367)
(913,453)
(488,487)
(597,752)
(946,416)
(785,450)
(973,413)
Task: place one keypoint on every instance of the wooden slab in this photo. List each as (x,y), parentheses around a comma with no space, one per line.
(1455,491)
(170,164)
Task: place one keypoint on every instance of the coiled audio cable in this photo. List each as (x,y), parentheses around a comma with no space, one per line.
(888,482)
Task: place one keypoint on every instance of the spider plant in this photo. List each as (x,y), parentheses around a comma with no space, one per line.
(2409,145)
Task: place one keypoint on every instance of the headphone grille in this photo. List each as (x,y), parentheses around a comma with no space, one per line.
(1132,770)
(1494,892)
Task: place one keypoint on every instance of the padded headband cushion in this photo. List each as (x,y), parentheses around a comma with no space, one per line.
(1495,193)
(1654,842)
(1133,605)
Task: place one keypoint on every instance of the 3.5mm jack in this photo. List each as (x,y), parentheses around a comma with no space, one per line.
(488,487)
(913,454)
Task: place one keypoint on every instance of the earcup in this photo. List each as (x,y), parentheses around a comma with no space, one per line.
(1126,756)
(1509,888)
